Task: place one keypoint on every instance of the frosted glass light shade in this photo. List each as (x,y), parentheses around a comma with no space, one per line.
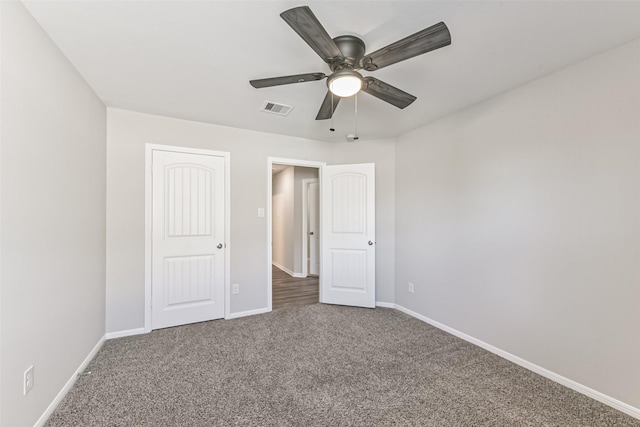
(345,84)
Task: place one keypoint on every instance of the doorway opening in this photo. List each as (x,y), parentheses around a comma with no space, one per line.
(294,225)
(346,235)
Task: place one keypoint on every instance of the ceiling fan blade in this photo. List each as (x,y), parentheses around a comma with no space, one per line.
(305,23)
(325,109)
(285,80)
(424,41)
(388,93)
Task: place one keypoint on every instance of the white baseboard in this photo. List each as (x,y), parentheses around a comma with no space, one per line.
(56,401)
(127,333)
(596,395)
(385,304)
(286,270)
(247,313)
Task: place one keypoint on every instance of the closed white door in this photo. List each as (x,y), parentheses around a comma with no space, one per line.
(188,245)
(314,233)
(348,245)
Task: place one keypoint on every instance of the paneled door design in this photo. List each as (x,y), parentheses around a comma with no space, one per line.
(348,239)
(188,238)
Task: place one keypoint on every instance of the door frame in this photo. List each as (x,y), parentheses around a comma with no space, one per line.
(269,215)
(148,221)
(305,212)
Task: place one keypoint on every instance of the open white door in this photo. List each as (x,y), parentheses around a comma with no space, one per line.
(188,244)
(348,238)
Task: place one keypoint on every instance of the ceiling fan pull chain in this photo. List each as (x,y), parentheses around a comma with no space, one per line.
(355,137)
(332,129)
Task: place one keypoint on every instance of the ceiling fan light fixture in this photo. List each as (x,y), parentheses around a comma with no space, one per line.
(345,83)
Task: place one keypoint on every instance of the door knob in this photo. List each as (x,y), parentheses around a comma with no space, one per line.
(311,233)
(219,245)
(370,243)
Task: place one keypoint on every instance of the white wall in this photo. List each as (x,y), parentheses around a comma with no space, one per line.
(518,220)
(52,269)
(282,208)
(127,132)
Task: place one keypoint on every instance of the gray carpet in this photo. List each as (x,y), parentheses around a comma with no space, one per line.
(317,365)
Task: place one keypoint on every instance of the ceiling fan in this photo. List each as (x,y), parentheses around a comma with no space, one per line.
(345,55)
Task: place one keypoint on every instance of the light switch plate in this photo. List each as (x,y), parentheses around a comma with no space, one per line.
(260,212)
(28,380)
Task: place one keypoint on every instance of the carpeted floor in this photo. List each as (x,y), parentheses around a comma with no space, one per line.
(317,365)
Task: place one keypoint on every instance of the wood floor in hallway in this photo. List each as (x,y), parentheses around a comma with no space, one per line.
(290,291)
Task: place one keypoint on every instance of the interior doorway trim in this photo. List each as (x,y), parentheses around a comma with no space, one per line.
(290,162)
(148,220)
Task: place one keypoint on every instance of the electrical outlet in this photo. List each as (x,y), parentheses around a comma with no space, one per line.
(411,288)
(235,288)
(28,380)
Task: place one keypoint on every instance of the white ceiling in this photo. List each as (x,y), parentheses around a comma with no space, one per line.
(194,59)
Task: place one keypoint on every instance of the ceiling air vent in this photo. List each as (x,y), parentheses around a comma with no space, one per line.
(275,108)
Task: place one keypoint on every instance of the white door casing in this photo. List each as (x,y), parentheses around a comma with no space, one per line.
(313,226)
(188,238)
(348,235)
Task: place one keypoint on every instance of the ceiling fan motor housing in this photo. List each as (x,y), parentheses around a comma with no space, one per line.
(352,48)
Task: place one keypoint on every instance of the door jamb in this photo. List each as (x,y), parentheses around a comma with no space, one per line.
(148,210)
(305,230)
(289,162)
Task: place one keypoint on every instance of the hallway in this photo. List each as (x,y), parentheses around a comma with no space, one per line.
(292,291)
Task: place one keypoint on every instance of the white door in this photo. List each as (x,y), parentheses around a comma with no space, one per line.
(348,239)
(314,232)
(188,246)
